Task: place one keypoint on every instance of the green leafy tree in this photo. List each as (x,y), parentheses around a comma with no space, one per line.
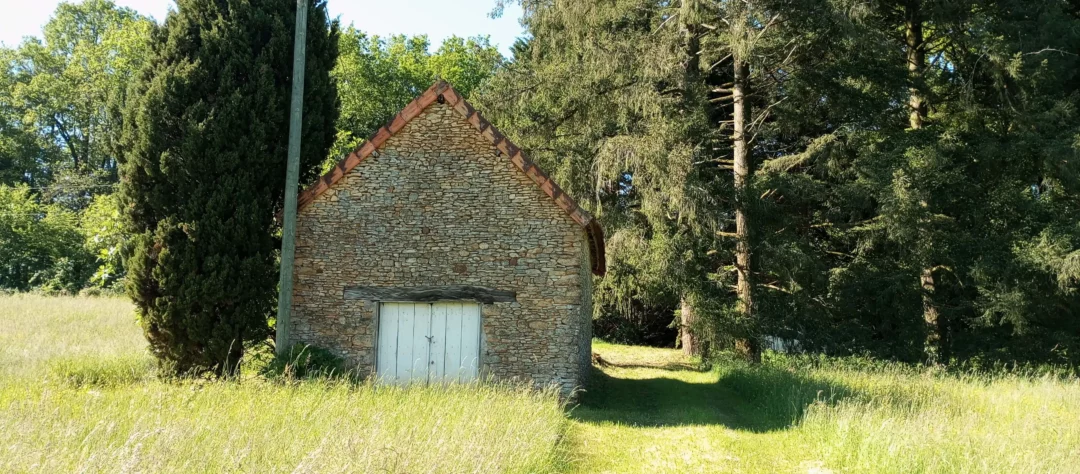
(20,159)
(596,96)
(377,77)
(40,245)
(931,181)
(957,173)
(205,141)
(66,90)
(906,166)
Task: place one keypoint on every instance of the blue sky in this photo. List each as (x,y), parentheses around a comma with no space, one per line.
(437,18)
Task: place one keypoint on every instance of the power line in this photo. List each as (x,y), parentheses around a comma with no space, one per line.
(68,187)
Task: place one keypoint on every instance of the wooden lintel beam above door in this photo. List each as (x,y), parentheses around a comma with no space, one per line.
(430,294)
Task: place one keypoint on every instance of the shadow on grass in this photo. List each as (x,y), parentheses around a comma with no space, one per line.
(670,366)
(756,399)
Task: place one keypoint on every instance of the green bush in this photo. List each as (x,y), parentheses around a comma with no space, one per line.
(305,362)
(105,238)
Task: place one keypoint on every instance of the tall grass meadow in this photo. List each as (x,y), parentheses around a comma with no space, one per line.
(79,393)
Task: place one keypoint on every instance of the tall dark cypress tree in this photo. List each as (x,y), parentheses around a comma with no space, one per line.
(203,170)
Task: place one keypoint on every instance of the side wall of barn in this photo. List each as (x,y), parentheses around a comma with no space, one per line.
(437,206)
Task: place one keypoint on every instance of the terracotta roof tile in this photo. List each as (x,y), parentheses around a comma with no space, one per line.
(451,95)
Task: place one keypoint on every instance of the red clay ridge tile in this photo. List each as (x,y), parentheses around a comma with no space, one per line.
(410,111)
(505,147)
(397,124)
(518,161)
(451,96)
(475,121)
(380,137)
(550,188)
(464,109)
(491,134)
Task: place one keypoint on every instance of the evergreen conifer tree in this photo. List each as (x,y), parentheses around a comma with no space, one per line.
(203,170)
(660,104)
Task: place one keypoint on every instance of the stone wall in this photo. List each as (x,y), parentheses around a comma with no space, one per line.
(437,206)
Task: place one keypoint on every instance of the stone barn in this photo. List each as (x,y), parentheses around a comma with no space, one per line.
(438,251)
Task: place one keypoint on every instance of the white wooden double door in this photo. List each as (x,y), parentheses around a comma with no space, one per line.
(428,342)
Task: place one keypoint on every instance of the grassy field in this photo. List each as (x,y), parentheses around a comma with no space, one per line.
(77,394)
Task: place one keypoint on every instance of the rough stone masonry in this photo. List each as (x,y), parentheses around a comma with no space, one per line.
(437,204)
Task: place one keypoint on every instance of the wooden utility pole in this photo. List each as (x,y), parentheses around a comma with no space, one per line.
(292,179)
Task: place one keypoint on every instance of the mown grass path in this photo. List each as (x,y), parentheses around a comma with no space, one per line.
(654,410)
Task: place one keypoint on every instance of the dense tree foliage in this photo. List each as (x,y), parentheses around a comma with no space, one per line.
(60,99)
(205,140)
(904,181)
(103,226)
(40,245)
(377,77)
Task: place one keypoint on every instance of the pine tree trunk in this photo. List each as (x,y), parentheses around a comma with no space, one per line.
(743,167)
(932,346)
(690,344)
(916,58)
(693,55)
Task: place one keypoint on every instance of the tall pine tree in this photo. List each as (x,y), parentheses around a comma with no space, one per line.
(612,96)
(664,107)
